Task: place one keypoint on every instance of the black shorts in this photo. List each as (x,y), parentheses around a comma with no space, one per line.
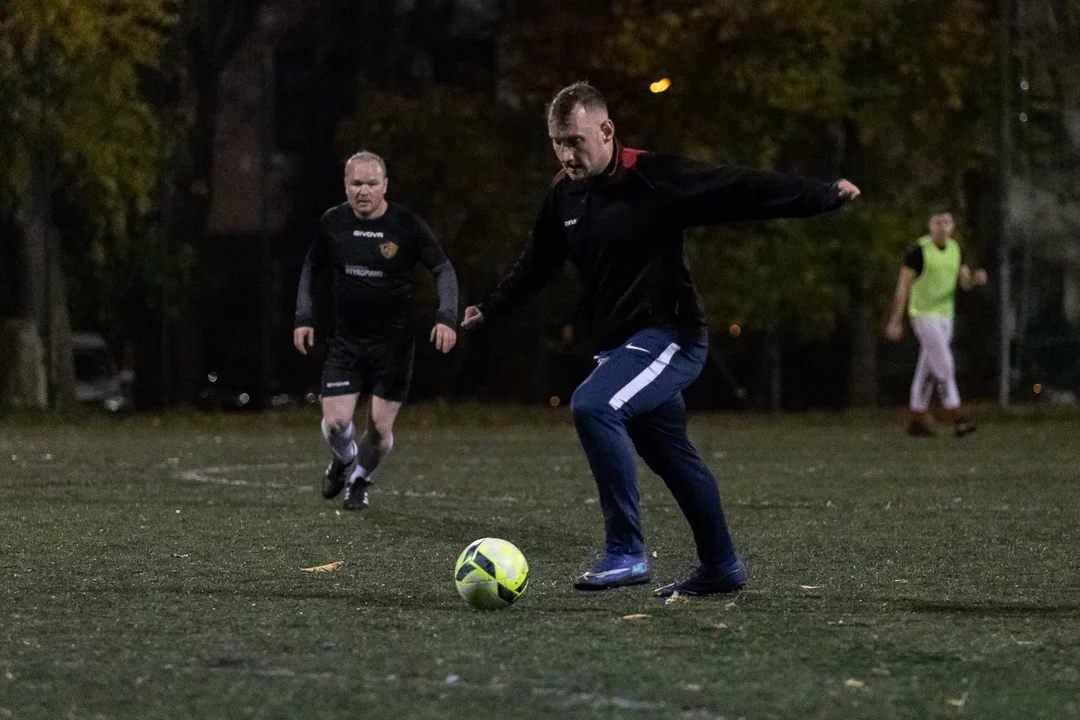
(370,366)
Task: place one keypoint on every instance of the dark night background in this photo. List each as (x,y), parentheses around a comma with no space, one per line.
(162,179)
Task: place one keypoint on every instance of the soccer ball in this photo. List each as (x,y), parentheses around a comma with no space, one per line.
(491,574)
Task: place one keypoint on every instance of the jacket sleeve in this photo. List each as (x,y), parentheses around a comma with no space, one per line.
(543,256)
(707,195)
(315,266)
(446,285)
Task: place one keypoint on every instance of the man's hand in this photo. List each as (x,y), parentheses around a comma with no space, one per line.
(444,337)
(848,191)
(473,318)
(894,330)
(968,280)
(303,338)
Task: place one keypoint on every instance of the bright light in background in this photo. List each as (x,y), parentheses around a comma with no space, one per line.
(554,401)
(735,330)
(660,85)
(1037,388)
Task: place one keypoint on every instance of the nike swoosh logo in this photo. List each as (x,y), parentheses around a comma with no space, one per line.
(607,573)
(635,347)
(638,568)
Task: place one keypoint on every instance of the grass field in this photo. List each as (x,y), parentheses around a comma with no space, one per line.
(151,568)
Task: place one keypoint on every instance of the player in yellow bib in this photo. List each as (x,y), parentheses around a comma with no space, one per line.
(927,290)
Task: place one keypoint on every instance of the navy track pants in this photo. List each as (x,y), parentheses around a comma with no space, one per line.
(632,402)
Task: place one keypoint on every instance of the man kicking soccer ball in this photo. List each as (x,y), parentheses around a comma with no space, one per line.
(619,215)
(372,247)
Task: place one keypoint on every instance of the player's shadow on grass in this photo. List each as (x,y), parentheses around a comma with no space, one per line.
(379,599)
(992,609)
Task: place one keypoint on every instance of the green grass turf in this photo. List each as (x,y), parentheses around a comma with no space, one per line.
(150,567)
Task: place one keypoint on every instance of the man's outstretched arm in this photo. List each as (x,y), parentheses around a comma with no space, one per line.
(707,195)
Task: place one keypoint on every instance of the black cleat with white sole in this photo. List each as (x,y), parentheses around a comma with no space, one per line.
(337,474)
(356,494)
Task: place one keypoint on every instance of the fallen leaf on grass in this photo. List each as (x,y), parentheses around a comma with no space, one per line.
(694,687)
(853,683)
(810,587)
(331,567)
(730,604)
(720,626)
(958,702)
(654,553)
(635,616)
(676,599)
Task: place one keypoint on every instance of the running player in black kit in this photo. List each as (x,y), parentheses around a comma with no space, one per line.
(371,247)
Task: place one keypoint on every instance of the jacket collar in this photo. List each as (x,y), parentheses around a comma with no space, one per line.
(612,172)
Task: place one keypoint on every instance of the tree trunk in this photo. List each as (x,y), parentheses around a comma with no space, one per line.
(775,370)
(61,357)
(863,367)
(22,366)
(43,291)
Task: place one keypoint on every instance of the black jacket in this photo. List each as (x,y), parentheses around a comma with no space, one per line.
(623,229)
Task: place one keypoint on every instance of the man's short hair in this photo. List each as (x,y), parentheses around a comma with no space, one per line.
(366,156)
(580,93)
(941,208)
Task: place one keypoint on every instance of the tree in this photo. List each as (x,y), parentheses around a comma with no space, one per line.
(73,122)
(1043,215)
(893,95)
(205,37)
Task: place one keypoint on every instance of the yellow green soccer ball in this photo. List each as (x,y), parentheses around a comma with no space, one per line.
(491,574)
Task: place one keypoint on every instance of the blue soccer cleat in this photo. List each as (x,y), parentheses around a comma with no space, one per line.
(707,581)
(615,570)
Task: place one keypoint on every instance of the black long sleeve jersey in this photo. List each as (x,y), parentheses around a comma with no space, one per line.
(623,229)
(372,261)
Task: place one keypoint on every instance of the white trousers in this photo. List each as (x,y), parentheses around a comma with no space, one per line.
(935,368)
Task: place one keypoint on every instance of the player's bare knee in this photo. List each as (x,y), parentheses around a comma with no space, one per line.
(381,434)
(337,424)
